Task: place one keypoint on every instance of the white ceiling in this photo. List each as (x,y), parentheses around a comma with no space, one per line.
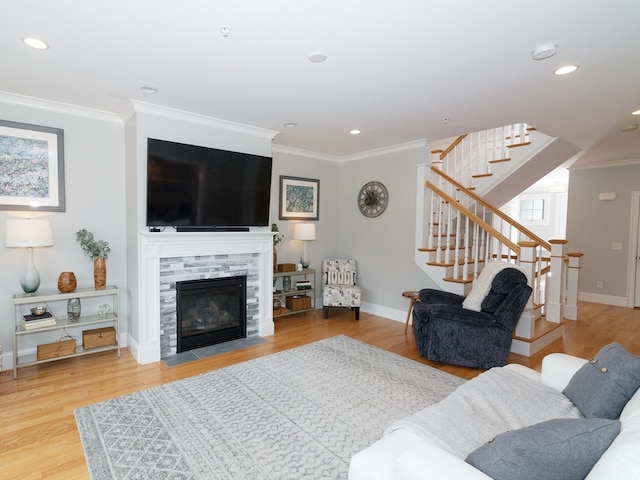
(395,69)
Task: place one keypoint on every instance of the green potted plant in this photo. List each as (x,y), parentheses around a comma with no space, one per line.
(277,238)
(98,251)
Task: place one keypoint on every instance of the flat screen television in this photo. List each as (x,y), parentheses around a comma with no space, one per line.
(197,188)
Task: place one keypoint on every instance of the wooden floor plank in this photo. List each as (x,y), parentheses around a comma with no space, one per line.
(38,434)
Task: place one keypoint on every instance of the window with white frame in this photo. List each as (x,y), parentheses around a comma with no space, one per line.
(534,209)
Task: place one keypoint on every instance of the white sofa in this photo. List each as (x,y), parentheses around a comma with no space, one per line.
(403,455)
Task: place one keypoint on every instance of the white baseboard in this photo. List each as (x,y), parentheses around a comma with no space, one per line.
(386,312)
(603,299)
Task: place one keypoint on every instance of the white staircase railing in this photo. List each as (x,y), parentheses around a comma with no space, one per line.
(464,231)
(473,155)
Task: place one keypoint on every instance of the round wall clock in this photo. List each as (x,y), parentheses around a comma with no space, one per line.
(373,199)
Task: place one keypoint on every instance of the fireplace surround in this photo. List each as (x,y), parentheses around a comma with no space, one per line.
(168,257)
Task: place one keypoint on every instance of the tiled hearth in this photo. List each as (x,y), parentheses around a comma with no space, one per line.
(170,257)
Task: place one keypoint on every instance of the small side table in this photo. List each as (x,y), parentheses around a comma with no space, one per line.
(412,296)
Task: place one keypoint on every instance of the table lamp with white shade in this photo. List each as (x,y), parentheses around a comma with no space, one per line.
(28,233)
(304,232)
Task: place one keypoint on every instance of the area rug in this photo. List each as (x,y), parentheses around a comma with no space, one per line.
(297,414)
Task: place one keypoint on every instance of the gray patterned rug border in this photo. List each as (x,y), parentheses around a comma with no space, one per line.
(299,413)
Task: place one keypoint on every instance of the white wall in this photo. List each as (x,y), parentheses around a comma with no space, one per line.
(95,200)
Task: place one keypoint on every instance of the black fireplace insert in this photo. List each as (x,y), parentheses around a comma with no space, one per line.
(211,311)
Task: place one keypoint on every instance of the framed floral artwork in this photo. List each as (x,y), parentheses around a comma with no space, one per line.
(31,167)
(299,198)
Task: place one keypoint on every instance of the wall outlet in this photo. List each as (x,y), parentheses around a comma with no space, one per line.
(616,246)
(599,284)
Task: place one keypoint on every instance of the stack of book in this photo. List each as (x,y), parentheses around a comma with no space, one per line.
(303,285)
(29,322)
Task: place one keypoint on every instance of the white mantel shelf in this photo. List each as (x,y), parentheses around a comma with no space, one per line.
(155,246)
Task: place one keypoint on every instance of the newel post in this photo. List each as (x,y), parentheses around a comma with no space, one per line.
(573,275)
(555,292)
(527,261)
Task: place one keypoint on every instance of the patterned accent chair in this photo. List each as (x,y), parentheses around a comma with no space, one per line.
(339,287)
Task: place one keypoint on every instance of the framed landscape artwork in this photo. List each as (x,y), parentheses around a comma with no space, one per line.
(299,198)
(31,167)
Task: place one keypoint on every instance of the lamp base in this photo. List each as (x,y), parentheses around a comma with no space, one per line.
(304,259)
(30,280)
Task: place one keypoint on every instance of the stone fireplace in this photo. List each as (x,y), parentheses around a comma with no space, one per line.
(167,258)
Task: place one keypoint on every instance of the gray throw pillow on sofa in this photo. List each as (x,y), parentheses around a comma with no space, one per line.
(604,385)
(562,449)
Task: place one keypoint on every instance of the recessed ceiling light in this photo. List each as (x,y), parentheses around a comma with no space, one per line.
(317,57)
(566,69)
(637,112)
(355,131)
(544,51)
(225,30)
(35,43)
(290,124)
(150,90)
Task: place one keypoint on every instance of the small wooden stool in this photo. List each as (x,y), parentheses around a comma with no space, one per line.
(412,296)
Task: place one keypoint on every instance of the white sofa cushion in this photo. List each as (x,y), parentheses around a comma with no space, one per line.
(622,459)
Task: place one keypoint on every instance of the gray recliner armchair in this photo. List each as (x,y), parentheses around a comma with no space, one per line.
(447,332)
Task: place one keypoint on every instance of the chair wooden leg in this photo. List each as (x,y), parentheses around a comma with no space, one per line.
(357,313)
(326,312)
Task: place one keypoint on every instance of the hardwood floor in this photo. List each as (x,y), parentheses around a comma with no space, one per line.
(38,435)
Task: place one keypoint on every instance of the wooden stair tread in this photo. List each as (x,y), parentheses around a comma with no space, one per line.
(500,160)
(542,328)
(451,263)
(469,279)
(515,145)
(481,175)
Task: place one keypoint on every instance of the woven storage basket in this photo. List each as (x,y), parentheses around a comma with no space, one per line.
(56,349)
(298,302)
(98,337)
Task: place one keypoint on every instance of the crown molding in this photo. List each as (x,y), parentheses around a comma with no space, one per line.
(299,152)
(133,107)
(350,158)
(616,163)
(422,143)
(57,107)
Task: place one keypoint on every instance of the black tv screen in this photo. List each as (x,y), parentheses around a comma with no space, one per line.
(194,187)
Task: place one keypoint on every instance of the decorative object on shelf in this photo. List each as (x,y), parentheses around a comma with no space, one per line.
(277,303)
(100,273)
(277,238)
(299,267)
(29,234)
(286,267)
(38,311)
(37,154)
(304,232)
(373,199)
(104,310)
(98,251)
(67,282)
(286,283)
(74,309)
(299,198)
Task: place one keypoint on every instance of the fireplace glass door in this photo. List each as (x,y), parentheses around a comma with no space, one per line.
(210,311)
